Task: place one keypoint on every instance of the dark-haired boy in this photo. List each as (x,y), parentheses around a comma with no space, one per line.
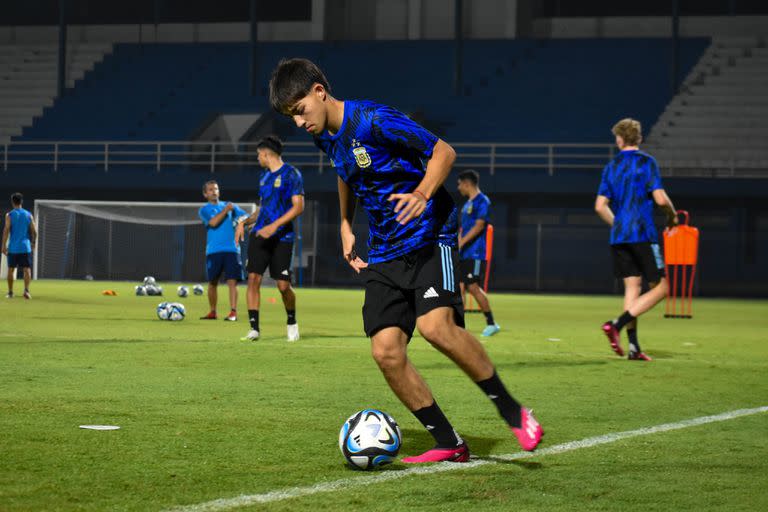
(270,243)
(396,170)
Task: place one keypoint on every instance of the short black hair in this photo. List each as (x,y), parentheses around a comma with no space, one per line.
(293,79)
(209,182)
(272,142)
(17,198)
(470,175)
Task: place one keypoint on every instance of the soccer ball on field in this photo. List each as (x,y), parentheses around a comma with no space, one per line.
(163,311)
(154,290)
(182,291)
(177,311)
(141,290)
(197,289)
(149,281)
(369,439)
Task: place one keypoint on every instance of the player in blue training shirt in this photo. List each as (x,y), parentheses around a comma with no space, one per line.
(270,244)
(630,186)
(475,215)
(396,169)
(222,254)
(20,235)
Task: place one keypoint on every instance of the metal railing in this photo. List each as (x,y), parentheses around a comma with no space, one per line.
(214,156)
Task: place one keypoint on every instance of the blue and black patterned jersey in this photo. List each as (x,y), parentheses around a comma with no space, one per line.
(473,210)
(276,190)
(379,151)
(628,182)
(450,232)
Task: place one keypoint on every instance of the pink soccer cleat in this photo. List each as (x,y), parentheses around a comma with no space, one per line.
(638,356)
(530,432)
(458,454)
(613,337)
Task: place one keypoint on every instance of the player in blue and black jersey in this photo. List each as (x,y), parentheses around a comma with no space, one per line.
(270,243)
(396,169)
(630,186)
(475,216)
(222,254)
(20,235)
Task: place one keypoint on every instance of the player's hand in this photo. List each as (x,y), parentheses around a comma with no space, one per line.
(267,231)
(409,206)
(672,221)
(239,233)
(5,251)
(348,249)
(229,207)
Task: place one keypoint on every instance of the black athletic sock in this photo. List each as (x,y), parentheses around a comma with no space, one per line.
(437,424)
(634,344)
(253,317)
(623,320)
(489,317)
(291,316)
(508,407)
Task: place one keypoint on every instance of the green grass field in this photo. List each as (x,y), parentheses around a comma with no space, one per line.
(205,416)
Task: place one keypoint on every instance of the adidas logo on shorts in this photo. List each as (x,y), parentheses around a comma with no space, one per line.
(431,293)
(284,272)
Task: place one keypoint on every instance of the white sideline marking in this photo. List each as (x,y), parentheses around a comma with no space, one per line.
(348,483)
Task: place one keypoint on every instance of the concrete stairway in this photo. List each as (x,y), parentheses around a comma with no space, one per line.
(28,75)
(719,120)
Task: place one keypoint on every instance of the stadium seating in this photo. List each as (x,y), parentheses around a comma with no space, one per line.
(513,90)
(719,120)
(28,79)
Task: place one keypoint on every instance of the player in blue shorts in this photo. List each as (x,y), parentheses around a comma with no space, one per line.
(270,243)
(630,186)
(222,254)
(396,169)
(475,215)
(19,238)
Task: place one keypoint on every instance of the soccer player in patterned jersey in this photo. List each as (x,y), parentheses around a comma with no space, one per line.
(396,169)
(222,254)
(20,235)
(270,243)
(630,186)
(475,215)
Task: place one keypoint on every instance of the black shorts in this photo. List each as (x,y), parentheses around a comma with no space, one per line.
(272,253)
(640,259)
(226,263)
(399,291)
(19,259)
(472,271)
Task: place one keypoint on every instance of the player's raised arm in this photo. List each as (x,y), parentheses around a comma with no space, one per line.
(438,168)
(347,204)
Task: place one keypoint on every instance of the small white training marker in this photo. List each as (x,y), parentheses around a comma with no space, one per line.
(554,339)
(100,427)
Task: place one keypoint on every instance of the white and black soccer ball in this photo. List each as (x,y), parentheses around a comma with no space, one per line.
(163,311)
(182,291)
(177,311)
(149,281)
(154,290)
(198,289)
(140,290)
(370,438)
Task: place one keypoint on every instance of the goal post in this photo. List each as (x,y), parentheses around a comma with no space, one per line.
(120,240)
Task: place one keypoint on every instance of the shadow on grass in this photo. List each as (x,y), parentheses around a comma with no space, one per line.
(418,441)
(560,363)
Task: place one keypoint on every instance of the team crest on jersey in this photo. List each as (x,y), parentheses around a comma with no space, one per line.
(278,182)
(362,157)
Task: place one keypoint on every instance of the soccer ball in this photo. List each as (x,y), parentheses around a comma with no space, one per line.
(177,311)
(154,290)
(369,439)
(182,291)
(140,290)
(163,311)
(149,281)
(197,289)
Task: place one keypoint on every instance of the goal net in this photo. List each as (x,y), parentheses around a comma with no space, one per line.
(120,240)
